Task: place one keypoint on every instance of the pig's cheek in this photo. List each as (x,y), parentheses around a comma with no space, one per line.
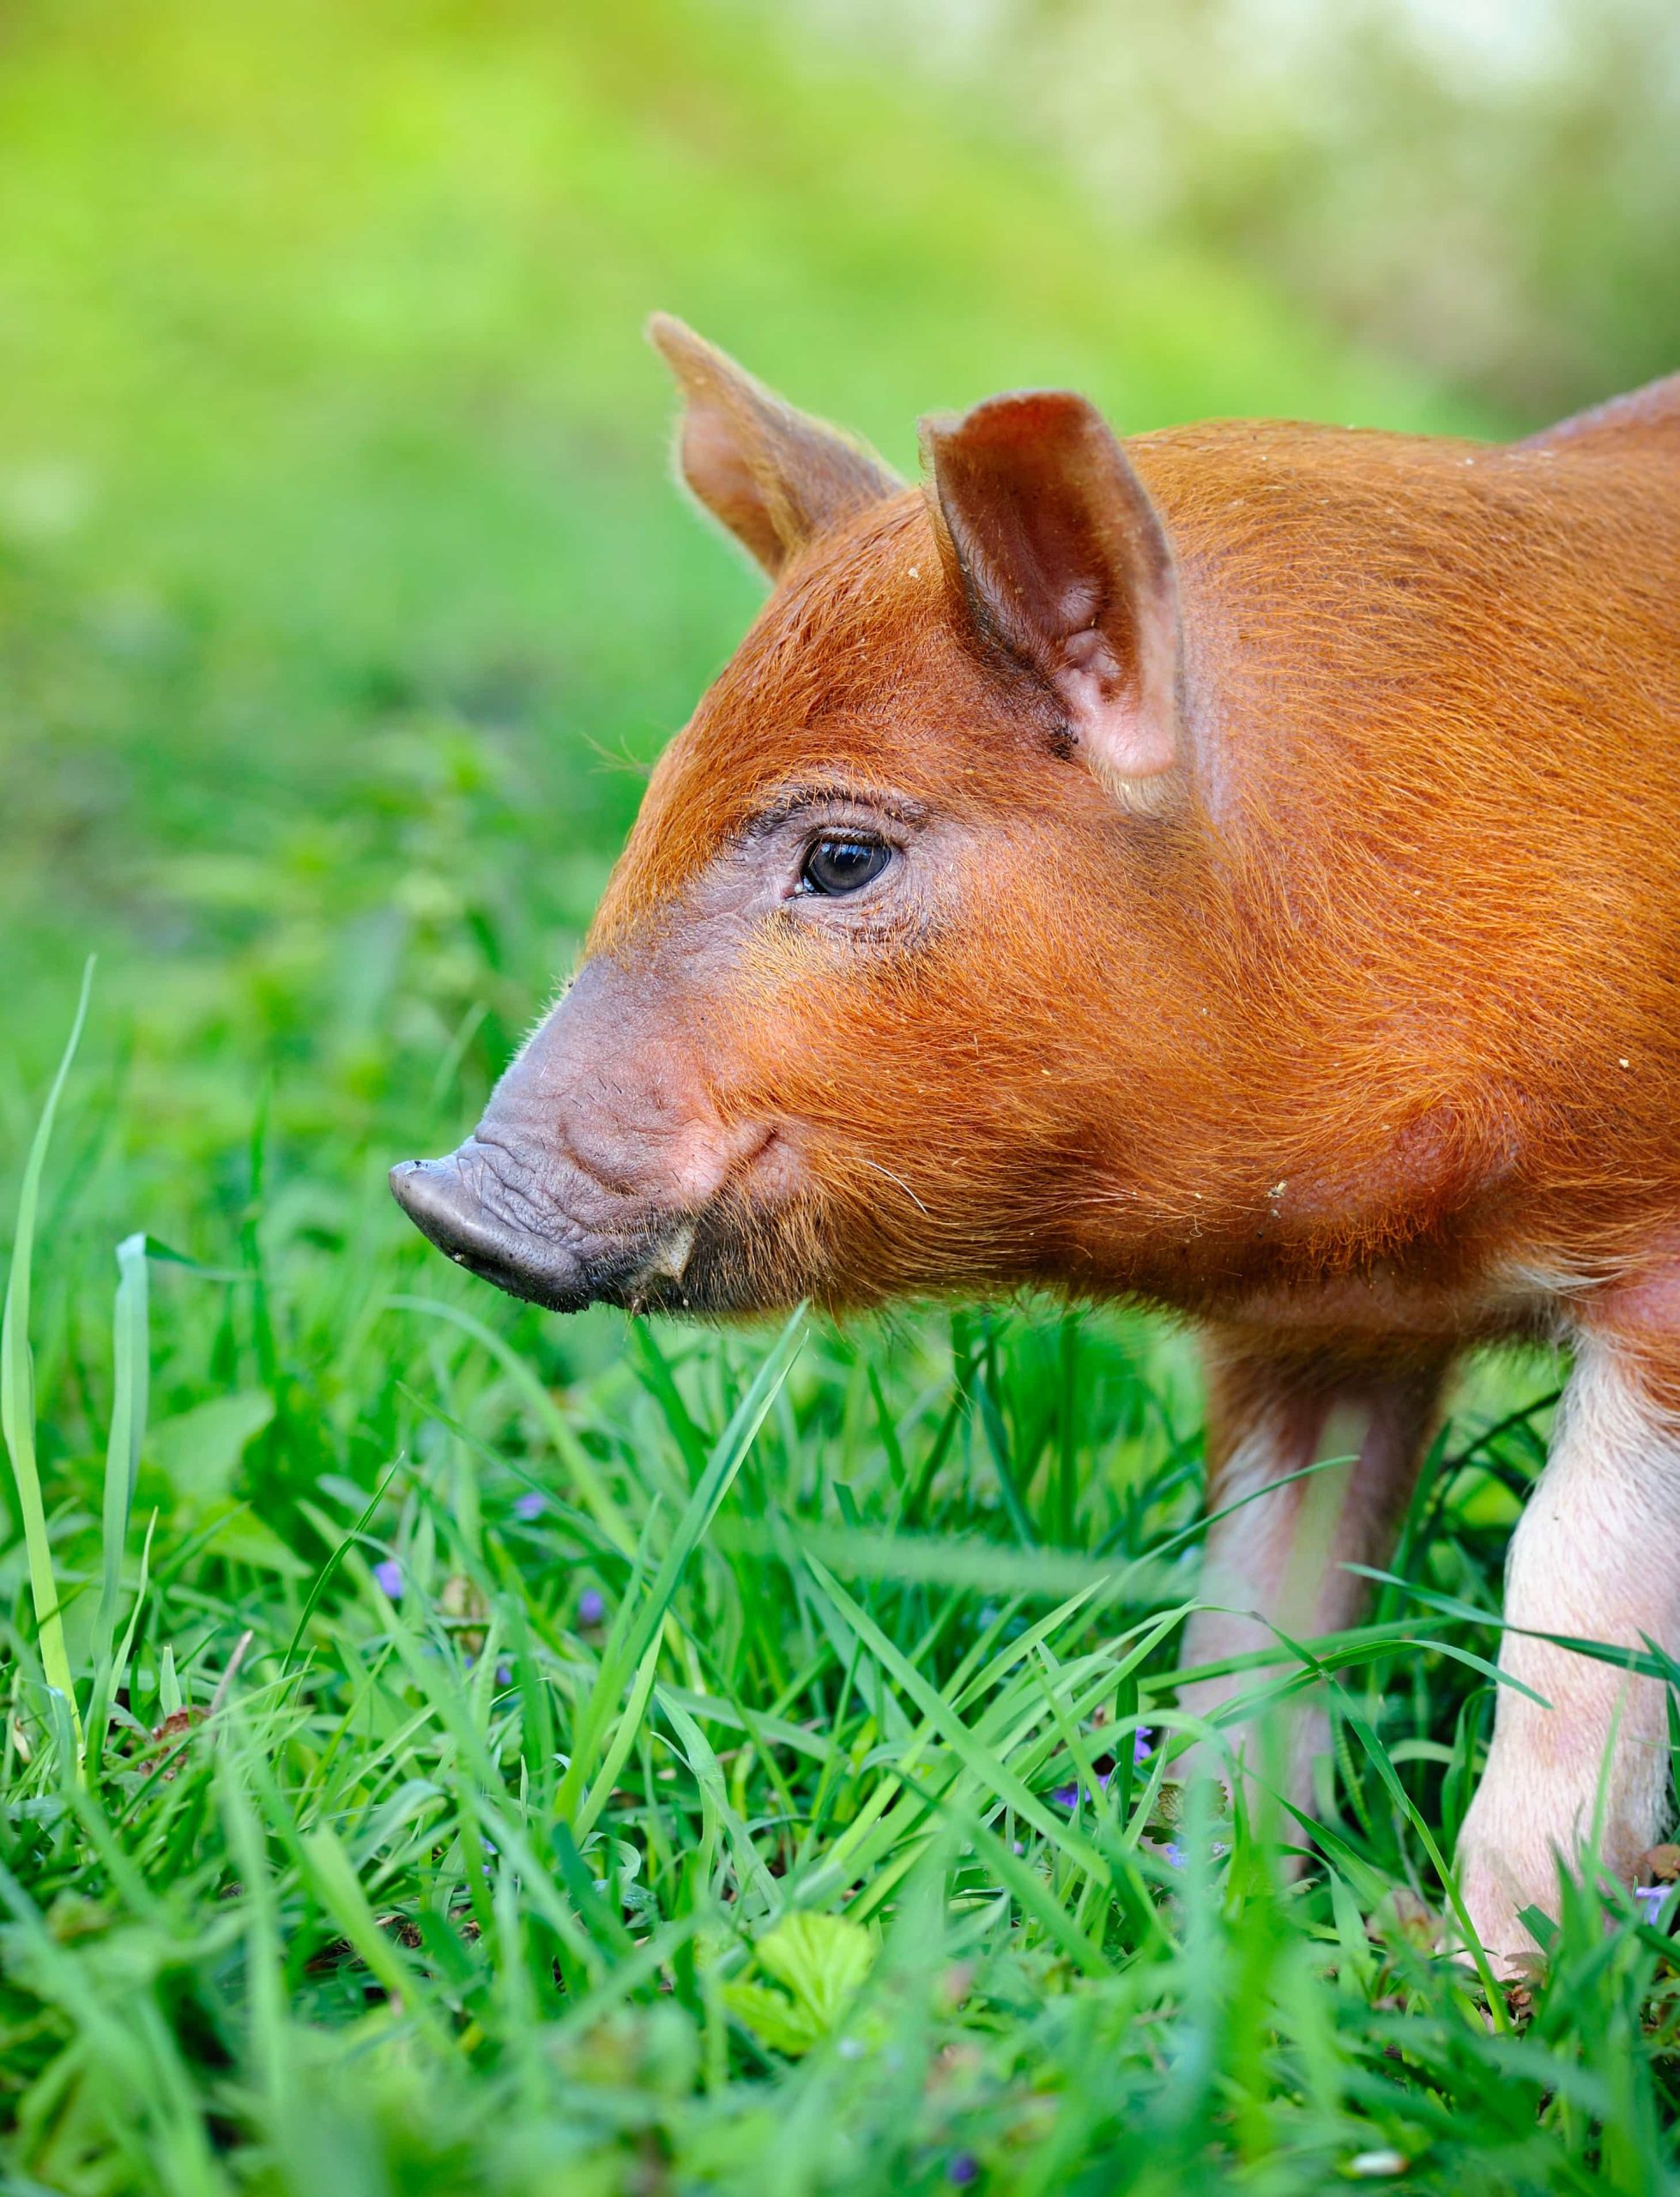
(774,1175)
(825,1043)
(703,1152)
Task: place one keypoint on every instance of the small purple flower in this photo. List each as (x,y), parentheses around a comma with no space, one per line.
(1651,1899)
(388,1577)
(1069,1796)
(530,1505)
(591,1605)
(505,1675)
(1173,1854)
(1140,1739)
(963,2169)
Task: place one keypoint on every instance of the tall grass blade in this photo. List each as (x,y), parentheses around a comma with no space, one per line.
(131,1356)
(17,1386)
(130,1340)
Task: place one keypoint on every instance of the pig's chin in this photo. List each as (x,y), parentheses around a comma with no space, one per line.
(701,1267)
(730,1261)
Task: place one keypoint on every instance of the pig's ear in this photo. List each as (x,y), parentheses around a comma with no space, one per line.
(775,477)
(1063,560)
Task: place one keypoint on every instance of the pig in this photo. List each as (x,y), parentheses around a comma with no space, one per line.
(1235,869)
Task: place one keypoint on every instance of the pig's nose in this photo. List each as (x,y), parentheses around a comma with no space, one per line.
(444,1205)
(444,1201)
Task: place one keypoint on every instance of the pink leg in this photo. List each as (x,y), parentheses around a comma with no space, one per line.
(1280,1558)
(1595,1555)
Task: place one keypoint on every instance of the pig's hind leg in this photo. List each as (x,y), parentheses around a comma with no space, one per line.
(1596,1556)
(1279,1546)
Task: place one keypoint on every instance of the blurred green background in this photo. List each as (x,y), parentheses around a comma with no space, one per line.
(344,595)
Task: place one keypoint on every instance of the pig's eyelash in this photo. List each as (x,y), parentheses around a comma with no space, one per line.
(830,801)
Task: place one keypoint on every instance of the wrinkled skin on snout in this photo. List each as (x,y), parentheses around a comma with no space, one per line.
(602,1156)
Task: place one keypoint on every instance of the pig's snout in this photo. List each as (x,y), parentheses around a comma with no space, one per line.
(543,1239)
(465,1206)
(601,1170)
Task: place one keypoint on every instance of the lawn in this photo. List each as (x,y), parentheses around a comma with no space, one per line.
(452,1749)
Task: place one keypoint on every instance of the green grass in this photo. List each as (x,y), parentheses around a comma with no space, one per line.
(658,1780)
(450,1749)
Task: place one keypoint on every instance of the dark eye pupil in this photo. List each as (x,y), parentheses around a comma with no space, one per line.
(843,865)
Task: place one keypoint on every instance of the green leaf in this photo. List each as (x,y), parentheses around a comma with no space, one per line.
(773,2019)
(198,1451)
(823,1962)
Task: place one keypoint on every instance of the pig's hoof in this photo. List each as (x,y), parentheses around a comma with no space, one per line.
(1494,1899)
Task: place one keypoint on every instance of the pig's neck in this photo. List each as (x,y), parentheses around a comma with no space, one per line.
(1319,1143)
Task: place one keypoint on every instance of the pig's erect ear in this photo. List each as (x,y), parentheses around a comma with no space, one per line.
(774,476)
(1063,560)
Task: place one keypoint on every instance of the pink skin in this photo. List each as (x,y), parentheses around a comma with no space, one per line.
(1278,1563)
(1593,1557)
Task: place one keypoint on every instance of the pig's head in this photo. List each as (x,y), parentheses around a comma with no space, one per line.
(881,992)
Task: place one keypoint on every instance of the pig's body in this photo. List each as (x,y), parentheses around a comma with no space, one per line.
(1246,877)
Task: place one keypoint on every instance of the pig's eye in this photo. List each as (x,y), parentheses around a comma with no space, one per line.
(842,865)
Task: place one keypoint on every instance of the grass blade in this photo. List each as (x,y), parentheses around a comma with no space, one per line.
(17,1386)
(130,1338)
(626,1652)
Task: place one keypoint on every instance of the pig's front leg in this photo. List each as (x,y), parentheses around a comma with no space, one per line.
(1596,1555)
(1279,1560)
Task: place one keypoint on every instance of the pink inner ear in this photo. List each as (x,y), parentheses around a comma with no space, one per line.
(1125,734)
(774,476)
(1120,741)
(1054,542)
(716,468)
